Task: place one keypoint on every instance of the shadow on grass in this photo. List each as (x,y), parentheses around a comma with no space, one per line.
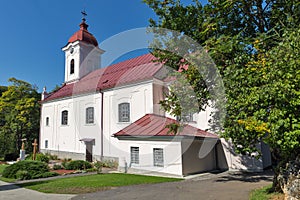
(250,177)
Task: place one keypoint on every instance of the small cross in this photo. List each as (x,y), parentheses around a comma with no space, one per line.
(83,14)
(34,149)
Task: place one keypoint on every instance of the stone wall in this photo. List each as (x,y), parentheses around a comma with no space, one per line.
(289,180)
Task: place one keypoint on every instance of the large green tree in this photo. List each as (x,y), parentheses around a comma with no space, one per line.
(255,47)
(20,113)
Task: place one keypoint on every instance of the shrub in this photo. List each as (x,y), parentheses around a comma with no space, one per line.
(23,175)
(110,163)
(78,165)
(25,169)
(46,174)
(56,167)
(39,157)
(51,157)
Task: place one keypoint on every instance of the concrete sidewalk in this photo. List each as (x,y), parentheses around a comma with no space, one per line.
(9,191)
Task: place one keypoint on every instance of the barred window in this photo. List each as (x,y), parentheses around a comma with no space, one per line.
(158,157)
(134,155)
(89,115)
(64,117)
(124,112)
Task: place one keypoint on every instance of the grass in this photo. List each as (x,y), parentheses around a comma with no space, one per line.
(92,183)
(265,193)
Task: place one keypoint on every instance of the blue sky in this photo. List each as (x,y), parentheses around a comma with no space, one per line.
(34,31)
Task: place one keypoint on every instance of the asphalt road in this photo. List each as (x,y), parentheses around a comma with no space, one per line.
(225,186)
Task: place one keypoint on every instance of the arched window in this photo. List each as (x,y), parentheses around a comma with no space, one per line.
(64,117)
(72,66)
(89,115)
(124,112)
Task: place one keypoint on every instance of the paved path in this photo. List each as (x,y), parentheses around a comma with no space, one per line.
(9,191)
(225,186)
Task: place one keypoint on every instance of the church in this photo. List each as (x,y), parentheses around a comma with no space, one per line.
(113,113)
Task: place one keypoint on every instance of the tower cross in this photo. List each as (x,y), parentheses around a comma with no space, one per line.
(83,14)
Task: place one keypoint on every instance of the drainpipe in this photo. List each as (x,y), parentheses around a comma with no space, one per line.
(101,123)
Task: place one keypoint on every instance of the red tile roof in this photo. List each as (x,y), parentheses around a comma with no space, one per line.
(155,125)
(130,71)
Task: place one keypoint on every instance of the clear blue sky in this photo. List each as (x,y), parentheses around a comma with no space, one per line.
(34,31)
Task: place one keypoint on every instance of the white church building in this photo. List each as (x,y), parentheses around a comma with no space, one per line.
(113,113)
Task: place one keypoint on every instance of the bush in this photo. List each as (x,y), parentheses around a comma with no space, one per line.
(51,157)
(25,169)
(39,157)
(56,167)
(77,165)
(110,164)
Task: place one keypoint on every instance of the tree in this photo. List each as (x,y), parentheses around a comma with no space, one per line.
(20,112)
(254,45)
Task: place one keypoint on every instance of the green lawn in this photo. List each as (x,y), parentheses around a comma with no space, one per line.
(265,194)
(92,183)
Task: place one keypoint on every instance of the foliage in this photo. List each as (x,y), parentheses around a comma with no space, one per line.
(26,170)
(39,157)
(51,156)
(2,167)
(255,46)
(56,167)
(19,114)
(78,165)
(110,163)
(93,183)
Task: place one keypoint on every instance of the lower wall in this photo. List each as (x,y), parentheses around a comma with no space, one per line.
(76,156)
(147,172)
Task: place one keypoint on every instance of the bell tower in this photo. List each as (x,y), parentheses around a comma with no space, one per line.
(82,54)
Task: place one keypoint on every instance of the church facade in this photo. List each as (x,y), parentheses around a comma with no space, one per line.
(113,113)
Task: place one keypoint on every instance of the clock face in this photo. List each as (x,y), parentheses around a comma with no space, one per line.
(72,50)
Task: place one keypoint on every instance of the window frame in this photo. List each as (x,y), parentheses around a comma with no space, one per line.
(88,118)
(134,155)
(124,112)
(64,117)
(158,160)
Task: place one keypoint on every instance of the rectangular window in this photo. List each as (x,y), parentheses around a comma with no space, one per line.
(89,115)
(46,144)
(47,121)
(158,157)
(134,155)
(64,117)
(124,112)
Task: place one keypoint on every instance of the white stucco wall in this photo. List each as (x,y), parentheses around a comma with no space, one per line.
(140,98)
(66,137)
(171,151)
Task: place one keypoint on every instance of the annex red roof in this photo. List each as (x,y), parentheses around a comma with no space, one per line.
(130,71)
(83,35)
(155,125)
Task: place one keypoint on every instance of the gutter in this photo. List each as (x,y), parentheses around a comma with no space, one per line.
(101,123)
